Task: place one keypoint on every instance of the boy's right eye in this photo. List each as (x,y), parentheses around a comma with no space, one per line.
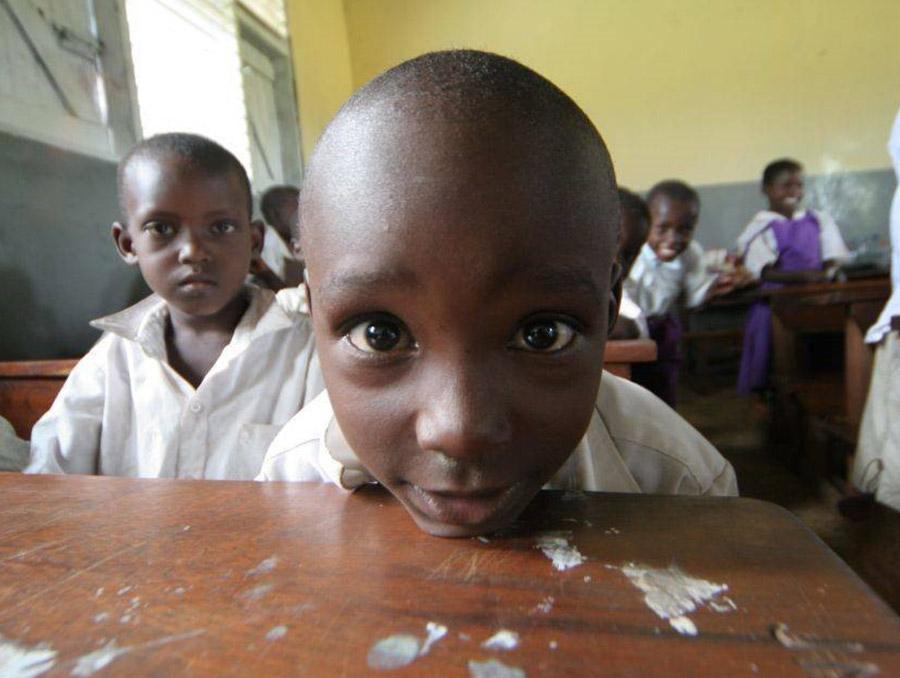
(159,228)
(380,335)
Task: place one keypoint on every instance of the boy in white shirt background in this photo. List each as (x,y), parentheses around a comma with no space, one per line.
(459,219)
(195,380)
(669,269)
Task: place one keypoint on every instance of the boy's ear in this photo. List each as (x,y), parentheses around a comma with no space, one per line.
(257,237)
(124,243)
(615,294)
(297,249)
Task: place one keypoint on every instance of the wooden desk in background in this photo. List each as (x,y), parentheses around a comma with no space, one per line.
(849,307)
(28,388)
(621,354)
(171,577)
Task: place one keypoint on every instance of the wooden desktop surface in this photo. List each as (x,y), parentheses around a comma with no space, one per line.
(178,577)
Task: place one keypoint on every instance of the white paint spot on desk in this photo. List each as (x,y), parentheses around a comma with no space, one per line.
(257,592)
(484,540)
(553,645)
(264,567)
(99,659)
(393,652)
(587,579)
(545,605)
(493,669)
(18,661)
(435,633)
(276,633)
(186,528)
(180,591)
(122,591)
(671,594)
(98,592)
(555,545)
(101,617)
(504,639)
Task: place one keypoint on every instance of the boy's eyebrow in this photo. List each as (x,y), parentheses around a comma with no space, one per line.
(360,281)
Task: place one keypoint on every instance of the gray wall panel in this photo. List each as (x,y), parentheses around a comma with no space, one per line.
(58,267)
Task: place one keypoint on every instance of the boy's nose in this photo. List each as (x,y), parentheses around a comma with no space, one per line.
(463,415)
(192,250)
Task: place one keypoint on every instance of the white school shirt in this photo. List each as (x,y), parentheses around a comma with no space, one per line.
(124,411)
(655,285)
(883,325)
(763,250)
(634,443)
(275,253)
(631,311)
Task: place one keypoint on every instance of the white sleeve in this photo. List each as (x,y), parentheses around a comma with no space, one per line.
(631,311)
(833,246)
(757,246)
(67,438)
(697,280)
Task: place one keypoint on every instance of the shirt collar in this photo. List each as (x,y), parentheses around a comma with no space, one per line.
(145,322)
(650,258)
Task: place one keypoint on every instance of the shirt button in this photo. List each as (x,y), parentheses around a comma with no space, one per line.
(195,406)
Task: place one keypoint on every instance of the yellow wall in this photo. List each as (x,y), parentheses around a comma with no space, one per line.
(321,63)
(709,90)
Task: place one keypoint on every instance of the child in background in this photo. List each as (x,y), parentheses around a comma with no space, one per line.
(460,219)
(278,266)
(195,380)
(634,225)
(669,267)
(783,244)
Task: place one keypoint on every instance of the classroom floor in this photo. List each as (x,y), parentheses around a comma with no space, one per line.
(737,428)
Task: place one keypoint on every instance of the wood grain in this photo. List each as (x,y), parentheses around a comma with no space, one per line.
(220,565)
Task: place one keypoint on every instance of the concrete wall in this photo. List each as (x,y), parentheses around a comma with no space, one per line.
(58,267)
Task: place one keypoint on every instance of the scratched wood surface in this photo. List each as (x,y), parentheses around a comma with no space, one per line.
(209,578)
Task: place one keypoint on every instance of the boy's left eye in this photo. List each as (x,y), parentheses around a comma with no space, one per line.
(544,336)
(380,335)
(224,227)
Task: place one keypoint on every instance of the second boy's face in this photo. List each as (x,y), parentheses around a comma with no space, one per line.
(672,225)
(189,233)
(461,298)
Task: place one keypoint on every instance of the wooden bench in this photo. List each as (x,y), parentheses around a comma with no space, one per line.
(28,388)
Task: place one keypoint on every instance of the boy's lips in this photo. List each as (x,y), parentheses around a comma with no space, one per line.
(467,507)
(196,282)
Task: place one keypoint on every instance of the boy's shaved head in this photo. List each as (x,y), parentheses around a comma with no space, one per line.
(196,153)
(468,91)
(459,219)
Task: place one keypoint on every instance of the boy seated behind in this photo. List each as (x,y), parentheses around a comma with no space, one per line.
(195,380)
(459,220)
(279,265)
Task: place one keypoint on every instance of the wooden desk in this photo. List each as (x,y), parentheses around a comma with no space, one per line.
(211,578)
(28,388)
(850,307)
(621,354)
